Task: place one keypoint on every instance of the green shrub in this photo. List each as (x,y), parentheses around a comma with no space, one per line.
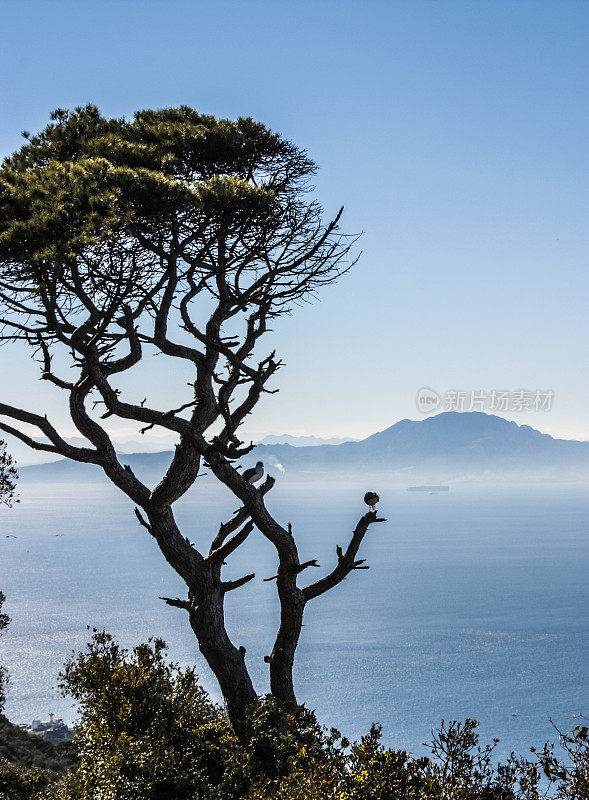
(148,731)
(22,783)
(570,776)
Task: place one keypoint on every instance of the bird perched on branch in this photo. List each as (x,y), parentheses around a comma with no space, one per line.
(371,499)
(254,474)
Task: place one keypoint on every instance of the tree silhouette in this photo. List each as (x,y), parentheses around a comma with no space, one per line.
(187,236)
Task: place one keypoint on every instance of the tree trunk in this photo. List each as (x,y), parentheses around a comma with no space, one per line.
(292,606)
(226,661)
(205,606)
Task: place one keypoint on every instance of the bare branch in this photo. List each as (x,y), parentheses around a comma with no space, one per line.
(177,603)
(240,517)
(108,460)
(27,439)
(228,586)
(60,446)
(225,550)
(345,561)
(142,521)
(305,564)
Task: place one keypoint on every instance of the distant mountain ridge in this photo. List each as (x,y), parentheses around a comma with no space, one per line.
(302,441)
(450,443)
(130,445)
(444,446)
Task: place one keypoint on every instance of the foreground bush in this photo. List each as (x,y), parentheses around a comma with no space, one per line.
(148,731)
(23,783)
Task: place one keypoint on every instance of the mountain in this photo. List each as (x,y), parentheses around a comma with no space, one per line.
(150,467)
(449,444)
(445,446)
(301,441)
(127,445)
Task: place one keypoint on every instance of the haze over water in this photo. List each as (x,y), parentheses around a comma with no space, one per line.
(474,604)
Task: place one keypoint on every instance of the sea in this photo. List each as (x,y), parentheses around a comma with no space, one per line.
(475,603)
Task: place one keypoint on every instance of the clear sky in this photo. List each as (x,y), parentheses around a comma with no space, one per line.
(455,133)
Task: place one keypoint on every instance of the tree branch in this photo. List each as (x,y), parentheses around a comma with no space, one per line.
(143,522)
(177,603)
(228,586)
(221,553)
(346,562)
(241,516)
(60,446)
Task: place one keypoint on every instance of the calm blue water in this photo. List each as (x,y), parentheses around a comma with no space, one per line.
(475,603)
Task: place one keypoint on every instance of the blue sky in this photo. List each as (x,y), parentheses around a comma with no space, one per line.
(453,132)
